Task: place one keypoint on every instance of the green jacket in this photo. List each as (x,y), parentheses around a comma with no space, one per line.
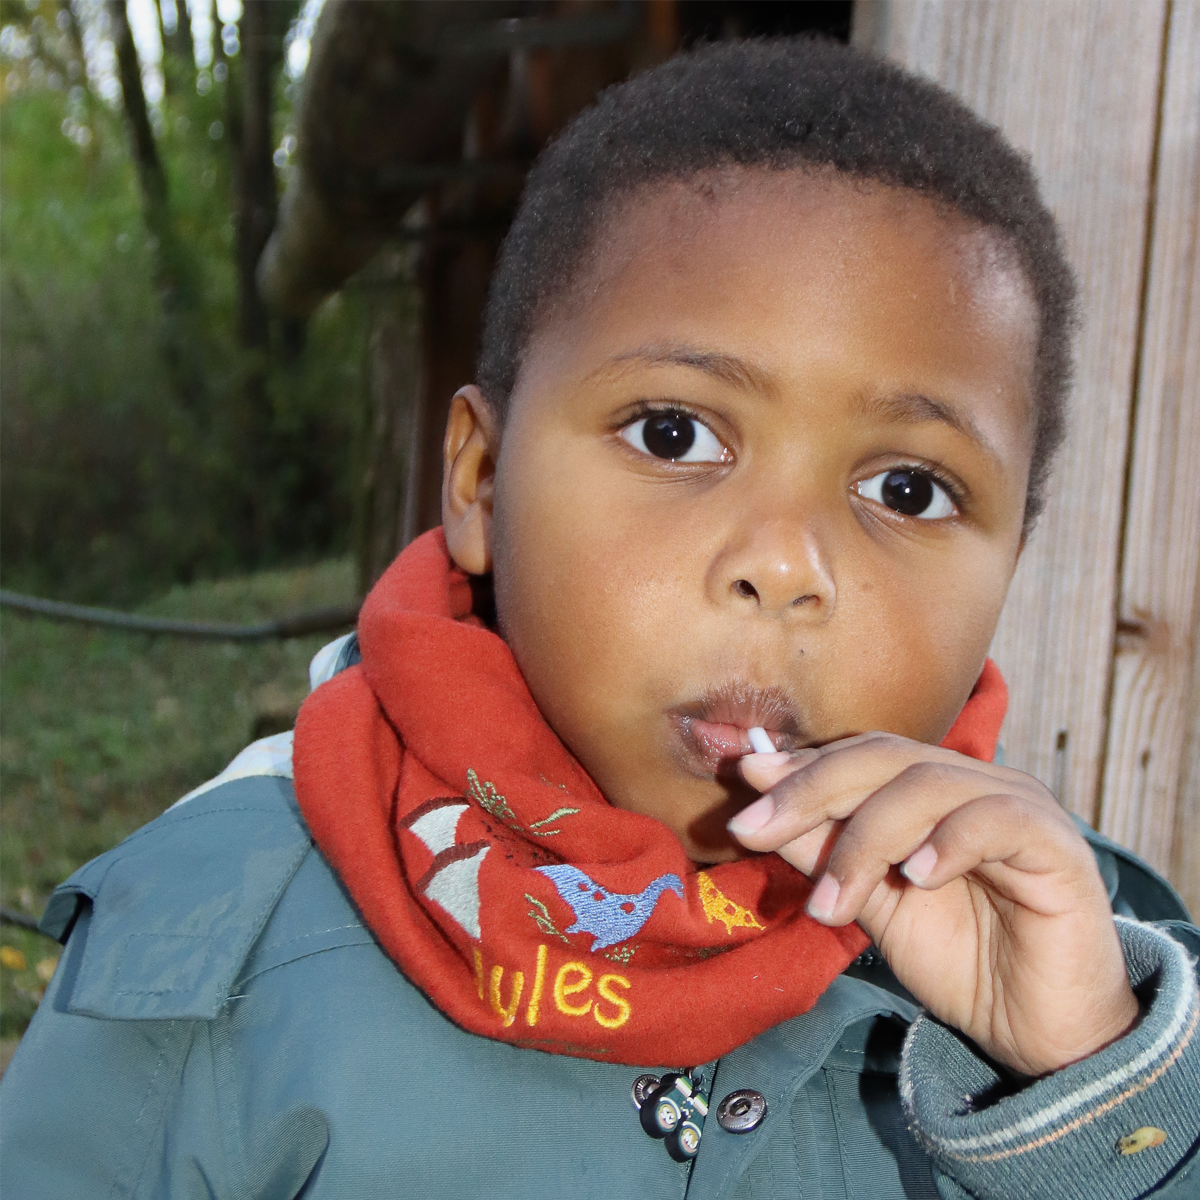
(222,1025)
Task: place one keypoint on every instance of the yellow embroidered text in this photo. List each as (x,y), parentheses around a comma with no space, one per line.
(571,986)
(507,1015)
(539,979)
(604,987)
(563,988)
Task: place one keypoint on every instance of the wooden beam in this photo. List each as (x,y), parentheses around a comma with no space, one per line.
(1153,672)
(379,102)
(1075,84)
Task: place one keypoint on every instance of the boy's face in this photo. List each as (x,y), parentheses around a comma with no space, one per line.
(767,468)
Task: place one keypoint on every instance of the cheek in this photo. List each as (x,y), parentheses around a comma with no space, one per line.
(921,645)
(573,589)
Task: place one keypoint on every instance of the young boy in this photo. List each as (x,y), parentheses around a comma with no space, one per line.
(773,370)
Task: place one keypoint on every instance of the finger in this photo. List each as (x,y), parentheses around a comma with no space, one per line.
(763,771)
(767,772)
(809,854)
(1020,849)
(885,830)
(942,838)
(841,776)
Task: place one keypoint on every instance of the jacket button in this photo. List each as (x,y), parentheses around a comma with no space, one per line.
(643,1085)
(742,1111)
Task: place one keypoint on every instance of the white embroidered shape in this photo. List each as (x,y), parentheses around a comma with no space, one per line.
(456,888)
(436,828)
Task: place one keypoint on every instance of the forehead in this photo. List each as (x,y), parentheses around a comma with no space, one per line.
(793,268)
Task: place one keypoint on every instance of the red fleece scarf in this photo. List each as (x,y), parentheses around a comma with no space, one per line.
(504,885)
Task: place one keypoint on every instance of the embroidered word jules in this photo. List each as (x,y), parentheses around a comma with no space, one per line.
(570,988)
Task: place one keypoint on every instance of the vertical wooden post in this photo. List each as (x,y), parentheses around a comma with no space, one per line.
(387,435)
(454,279)
(1153,669)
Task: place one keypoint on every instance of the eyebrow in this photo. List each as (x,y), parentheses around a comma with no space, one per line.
(913,408)
(726,368)
(904,408)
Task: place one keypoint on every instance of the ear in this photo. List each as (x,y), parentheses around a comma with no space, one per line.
(468,476)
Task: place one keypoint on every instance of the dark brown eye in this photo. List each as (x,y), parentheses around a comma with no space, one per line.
(669,435)
(909,492)
(676,436)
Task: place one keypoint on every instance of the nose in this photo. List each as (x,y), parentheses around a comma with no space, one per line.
(775,567)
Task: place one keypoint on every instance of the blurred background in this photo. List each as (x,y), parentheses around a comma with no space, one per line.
(244,250)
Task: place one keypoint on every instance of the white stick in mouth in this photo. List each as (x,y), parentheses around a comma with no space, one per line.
(760,739)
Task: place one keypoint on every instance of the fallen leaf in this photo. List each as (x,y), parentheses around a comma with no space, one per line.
(12,958)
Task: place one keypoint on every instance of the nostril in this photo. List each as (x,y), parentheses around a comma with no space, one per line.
(745,588)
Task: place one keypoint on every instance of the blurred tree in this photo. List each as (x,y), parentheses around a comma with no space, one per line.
(175,33)
(176,287)
(129,456)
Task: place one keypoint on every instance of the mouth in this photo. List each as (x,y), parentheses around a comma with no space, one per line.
(714,730)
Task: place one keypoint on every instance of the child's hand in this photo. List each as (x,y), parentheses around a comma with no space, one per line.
(973,883)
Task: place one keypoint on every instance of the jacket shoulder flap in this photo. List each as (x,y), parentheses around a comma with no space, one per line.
(177,907)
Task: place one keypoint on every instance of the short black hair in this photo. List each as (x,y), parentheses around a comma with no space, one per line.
(778,104)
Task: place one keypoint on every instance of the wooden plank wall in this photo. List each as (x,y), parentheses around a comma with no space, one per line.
(1097,638)
(1153,672)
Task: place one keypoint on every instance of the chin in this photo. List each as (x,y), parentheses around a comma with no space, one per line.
(705,837)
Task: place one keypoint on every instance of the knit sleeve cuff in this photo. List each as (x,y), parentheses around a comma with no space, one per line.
(1111,1127)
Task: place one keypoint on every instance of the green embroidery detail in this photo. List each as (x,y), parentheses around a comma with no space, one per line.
(541,916)
(620,954)
(558,812)
(489,799)
(486,796)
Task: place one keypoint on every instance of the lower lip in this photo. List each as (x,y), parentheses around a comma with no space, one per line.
(716,744)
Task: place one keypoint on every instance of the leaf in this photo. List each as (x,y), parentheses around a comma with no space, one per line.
(12,958)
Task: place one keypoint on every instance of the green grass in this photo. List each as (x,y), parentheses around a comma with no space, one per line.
(100,731)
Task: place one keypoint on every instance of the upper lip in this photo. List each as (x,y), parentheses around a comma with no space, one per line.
(741,704)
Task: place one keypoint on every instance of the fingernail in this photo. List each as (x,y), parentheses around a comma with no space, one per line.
(824,898)
(752,818)
(772,758)
(919,865)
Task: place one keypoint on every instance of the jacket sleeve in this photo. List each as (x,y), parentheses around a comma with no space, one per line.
(113,1090)
(1120,1125)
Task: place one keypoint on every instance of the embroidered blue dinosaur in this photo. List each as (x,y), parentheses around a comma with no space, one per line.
(610,916)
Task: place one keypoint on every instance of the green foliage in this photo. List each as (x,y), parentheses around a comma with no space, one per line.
(103,730)
(114,480)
